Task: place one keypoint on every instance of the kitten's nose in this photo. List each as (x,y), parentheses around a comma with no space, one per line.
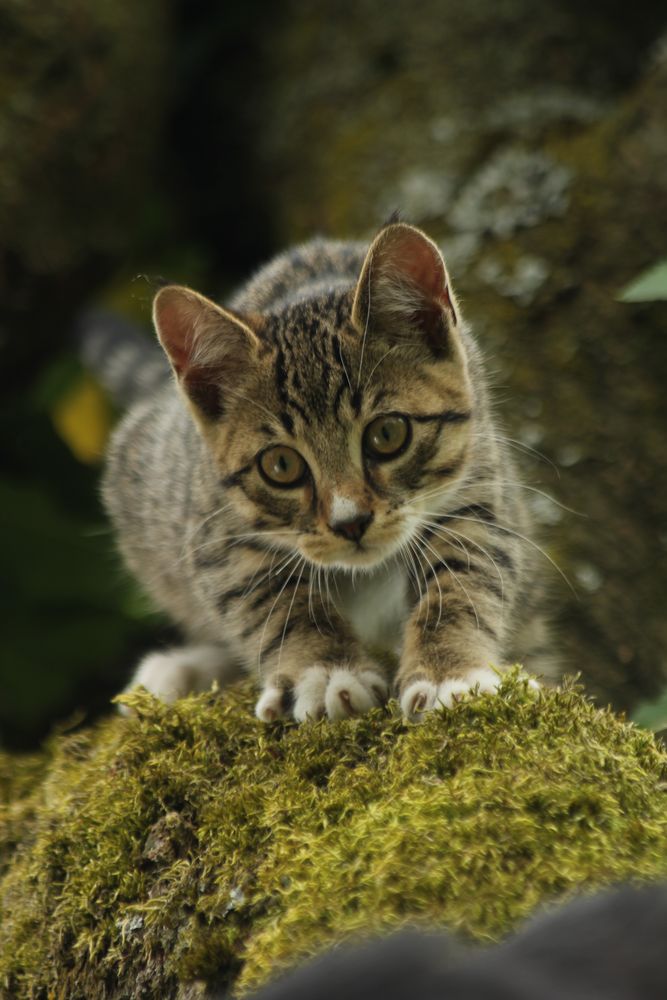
(353,529)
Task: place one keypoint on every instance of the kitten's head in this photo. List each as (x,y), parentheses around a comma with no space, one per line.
(338,420)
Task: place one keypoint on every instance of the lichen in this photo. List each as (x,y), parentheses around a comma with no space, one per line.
(515,189)
(192,843)
(520,281)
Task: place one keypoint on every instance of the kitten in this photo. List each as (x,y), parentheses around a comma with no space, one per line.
(322,494)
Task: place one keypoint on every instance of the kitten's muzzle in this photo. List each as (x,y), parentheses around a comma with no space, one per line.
(353,529)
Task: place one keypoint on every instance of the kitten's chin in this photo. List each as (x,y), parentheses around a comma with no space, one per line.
(360,557)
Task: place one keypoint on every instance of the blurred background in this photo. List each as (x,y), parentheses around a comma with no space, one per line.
(191,140)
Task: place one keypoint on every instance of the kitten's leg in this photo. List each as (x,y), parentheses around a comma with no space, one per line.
(455,638)
(308,661)
(176,672)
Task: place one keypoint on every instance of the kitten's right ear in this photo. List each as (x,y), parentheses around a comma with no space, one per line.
(403,293)
(208,347)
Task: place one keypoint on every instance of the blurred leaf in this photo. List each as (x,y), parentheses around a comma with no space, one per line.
(83,418)
(649,286)
(652,714)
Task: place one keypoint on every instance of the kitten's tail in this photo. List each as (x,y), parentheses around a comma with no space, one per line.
(129,365)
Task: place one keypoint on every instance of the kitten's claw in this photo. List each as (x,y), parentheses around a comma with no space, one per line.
(422,696)
(340,693)
(270,704)
(417,699)
(349,694)
(309,694)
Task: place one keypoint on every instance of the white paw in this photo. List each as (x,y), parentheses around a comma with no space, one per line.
(417,699)
(422,696)
(338,693)
(481,680)
(177,672)
(270,704)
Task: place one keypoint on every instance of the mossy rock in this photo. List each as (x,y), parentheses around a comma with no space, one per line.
(191,844)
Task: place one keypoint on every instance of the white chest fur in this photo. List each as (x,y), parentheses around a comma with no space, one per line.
(375,604)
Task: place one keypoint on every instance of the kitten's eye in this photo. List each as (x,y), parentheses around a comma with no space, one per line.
(282,466)
(386,437)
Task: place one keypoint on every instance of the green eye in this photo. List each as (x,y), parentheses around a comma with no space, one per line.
(386,437)
(282,466)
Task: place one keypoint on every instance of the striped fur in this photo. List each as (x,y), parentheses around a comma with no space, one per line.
(321,342)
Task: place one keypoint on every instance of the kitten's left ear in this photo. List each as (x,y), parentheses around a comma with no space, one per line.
(403,292)
(209,348)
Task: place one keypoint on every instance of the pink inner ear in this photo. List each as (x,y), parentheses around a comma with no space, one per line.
(417,259)
(175,317)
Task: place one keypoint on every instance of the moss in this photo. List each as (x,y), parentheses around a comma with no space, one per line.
(192,843)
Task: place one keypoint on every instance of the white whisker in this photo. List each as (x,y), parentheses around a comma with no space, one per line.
(366,324)
(268,617)
(289,610)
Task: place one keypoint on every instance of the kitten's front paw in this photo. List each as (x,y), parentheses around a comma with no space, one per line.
(422,696)
(174,673)
(336,692)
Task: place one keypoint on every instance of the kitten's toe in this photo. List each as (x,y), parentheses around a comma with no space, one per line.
(417,699)
(349,694)
(309,694)
(270,704)
(480,680)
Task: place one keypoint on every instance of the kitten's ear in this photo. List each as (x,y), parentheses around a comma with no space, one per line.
(403,292)
(208,347)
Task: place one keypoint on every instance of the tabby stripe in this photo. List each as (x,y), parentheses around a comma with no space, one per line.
(379,396)
(502,558)
(455,565)
(483,580)
(474,510)
(234,478)
(299,409)
(222,557)
(287,422)
(211,562)
(338,398)
(451,618)
(412,473)
(447,470)
(281,375)
(233,594)
(278,638)
(446,417)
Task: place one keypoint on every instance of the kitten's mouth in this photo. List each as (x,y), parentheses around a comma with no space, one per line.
(355,555)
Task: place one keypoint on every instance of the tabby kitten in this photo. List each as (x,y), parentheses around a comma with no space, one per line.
(322,495)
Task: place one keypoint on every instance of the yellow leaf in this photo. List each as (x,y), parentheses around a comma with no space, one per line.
(83,419)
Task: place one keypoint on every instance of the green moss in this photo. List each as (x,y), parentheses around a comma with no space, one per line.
(190,842)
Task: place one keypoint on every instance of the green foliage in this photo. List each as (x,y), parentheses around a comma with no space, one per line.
(649,286)
(192,842)
(652,714)
(66,594)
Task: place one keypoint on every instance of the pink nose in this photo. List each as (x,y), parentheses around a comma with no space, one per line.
(354,529)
